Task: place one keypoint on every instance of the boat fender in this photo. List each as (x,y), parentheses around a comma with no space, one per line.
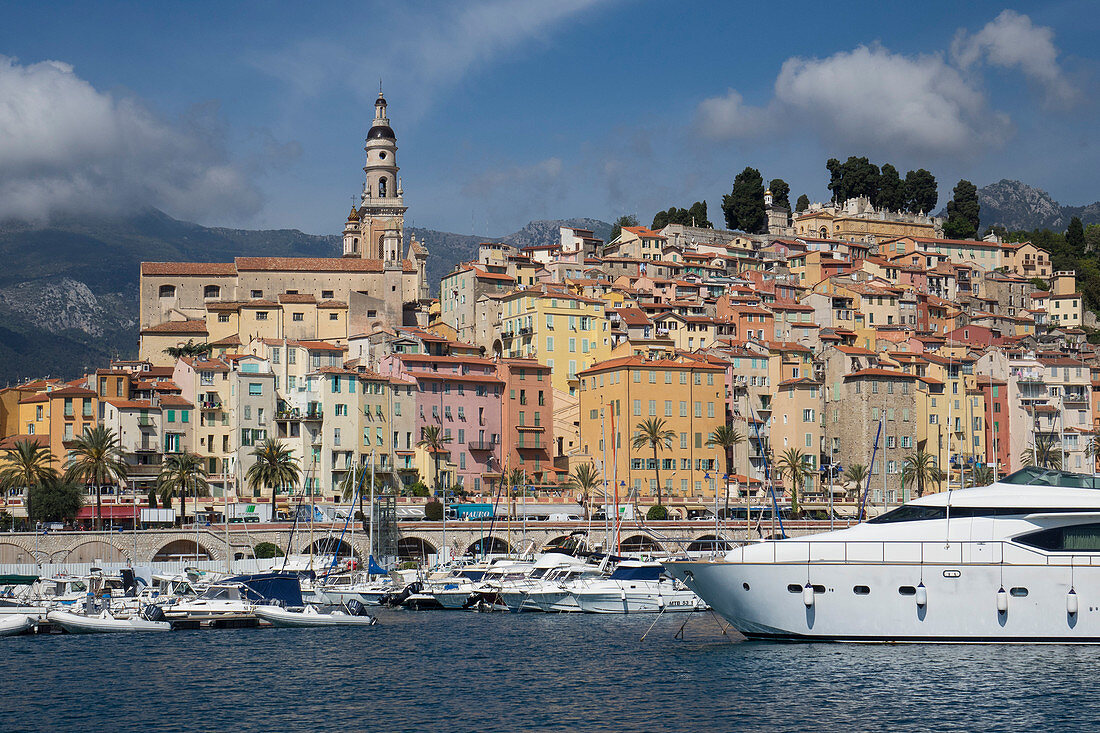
(622,594)
(660,601)
(1071,602)
(1002,601)
(922,595)
(808,595)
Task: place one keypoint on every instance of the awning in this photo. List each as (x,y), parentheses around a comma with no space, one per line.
(110,511)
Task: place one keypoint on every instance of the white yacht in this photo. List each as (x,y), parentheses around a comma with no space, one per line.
(1016,561)
(635,587)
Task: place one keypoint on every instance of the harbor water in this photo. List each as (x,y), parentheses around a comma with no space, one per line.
(462,671)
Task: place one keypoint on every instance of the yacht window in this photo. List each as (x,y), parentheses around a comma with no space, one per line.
(1018,592)
(1075,538)
(819,589)
(1034,476)
(910,513)
(907,590)
(861,590)
(745,586)
(794,588)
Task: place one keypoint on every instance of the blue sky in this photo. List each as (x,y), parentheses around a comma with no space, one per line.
(253,114)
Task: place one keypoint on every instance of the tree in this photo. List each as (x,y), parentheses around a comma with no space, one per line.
(190,349)
(26,465)
(267,550)
(802,204)
(696,216)
(920,191)
(435,442)
(963,212)
(727,438)
(96,459)
(744,205)
(852,178)
(654,433)
(584,479)
(794,465)
(781,193)
(274,466)
(433,511)
(1092,237)
(627,220)
(836,179)
(55,499)
(1075,236)
(981,475)
(919,468)
(857,474)
(1044,454)
(151,498)
(891,190)
(182,473)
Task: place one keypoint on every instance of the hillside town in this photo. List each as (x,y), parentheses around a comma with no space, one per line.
(848,351)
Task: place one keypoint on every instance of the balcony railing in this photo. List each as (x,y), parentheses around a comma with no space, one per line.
(210,404)
(146,422)
(481,444)
(532,445)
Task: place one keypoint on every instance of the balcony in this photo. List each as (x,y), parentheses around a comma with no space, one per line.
(532,445)
(210,404)
(532,428)
(481,444)
(524,330)
(1075,396)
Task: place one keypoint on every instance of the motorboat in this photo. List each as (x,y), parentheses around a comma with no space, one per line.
(636,586)
(362,587)
(546,586)
(236,597)
(1015,561)
(480,593)
(103,623)
(16,623)
(310,617)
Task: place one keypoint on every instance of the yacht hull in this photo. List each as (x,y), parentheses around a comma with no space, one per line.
(13,624)
(76,624)
(959,602)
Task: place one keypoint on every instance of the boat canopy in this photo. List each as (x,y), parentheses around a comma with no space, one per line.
(637,572)
(17,579)
(1035,476)
(274,586)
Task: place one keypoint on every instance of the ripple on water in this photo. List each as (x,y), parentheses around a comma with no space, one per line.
(492,672)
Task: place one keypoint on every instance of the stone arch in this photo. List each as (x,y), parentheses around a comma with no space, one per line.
(640,543)
(94,550)
(382,182)
(708,543)
(415,548)
(182,549)
(13,553)
(488,546)
(565,542)
(331,546)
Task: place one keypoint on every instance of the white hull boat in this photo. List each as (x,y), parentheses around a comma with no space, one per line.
(309,617)
(16,623)
(636,587)
(104,623)
(1017,561)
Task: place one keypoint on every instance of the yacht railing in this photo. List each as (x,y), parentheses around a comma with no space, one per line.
(913,552)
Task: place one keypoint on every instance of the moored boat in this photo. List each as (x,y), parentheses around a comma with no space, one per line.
(103,623)
(16,623)
(310,617)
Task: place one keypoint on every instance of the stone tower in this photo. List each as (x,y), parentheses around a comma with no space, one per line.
(376,229)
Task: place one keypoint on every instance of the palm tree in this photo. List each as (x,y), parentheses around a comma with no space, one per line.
(1092,448)
(25,466)
(275,466)
(584,479)
(96,458)
(653,433)
(435,442)
(794,464)
(727,438)
(190,349)
(1044,454)
(857,474)
(182,473)
(981,475)
(919,468)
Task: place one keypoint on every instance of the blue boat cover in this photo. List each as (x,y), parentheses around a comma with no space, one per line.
(644,572)
(374,568)
(274,586)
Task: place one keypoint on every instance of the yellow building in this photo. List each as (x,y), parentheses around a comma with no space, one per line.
(561,329)
(687,394)
(857,221)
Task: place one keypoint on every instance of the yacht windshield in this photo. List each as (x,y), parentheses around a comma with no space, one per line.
(1035,476)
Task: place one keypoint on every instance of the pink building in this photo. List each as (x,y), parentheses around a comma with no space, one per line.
(462,396)
(527,414)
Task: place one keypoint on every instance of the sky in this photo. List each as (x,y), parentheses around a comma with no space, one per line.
(253,114)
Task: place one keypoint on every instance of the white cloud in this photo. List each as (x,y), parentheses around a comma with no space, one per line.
(1012,41)
(422,51)
(66,146)
(728,117)
(887,101)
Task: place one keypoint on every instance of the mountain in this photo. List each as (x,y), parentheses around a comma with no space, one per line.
(68,291)
(1016,205)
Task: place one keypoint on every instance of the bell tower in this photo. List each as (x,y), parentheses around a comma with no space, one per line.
(380,217)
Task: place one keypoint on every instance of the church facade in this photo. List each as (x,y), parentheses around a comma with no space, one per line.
(378,281)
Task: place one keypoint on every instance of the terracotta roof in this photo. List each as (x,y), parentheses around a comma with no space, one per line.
(188,268)
(456,377)
(195,327)
(880,373)
(233,340)
(130,404)
(10,441)
(332,304)
(259,303)
(223,305)
(319,346)
(315,264)
(172,400)
(40,397)
(72,392)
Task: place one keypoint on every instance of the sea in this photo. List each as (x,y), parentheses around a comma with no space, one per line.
(465,671)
